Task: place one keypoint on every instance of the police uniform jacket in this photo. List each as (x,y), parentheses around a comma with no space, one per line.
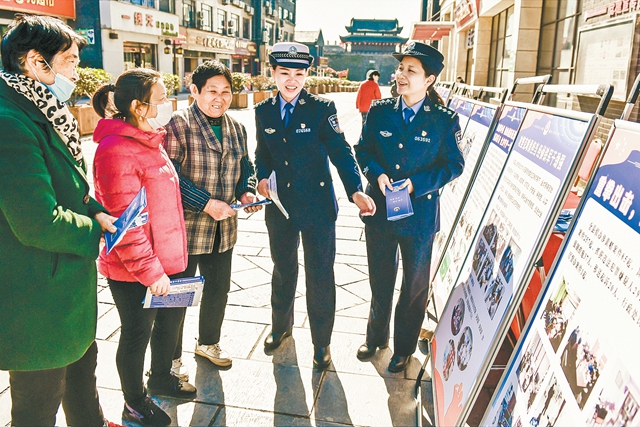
(425,150)
(300,157)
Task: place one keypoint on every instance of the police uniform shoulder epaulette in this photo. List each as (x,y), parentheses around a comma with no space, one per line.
(320,99)
(445,110)
(383,101)
(264,101)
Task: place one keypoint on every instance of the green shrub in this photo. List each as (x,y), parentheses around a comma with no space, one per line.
(89,80)
(238,82)
(171,83)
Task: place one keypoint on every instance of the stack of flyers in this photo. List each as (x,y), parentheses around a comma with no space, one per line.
(398,202)
(184,292)
(273,194)
(132,217)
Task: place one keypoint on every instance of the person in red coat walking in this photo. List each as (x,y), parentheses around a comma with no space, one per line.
(368,91)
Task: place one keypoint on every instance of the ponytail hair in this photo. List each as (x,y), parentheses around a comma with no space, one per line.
(431,92)
(134,84)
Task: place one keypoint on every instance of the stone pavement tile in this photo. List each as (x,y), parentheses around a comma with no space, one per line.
(345,299)
(240,263)
(261,315)
(354,260)
(360,310)
(106,372)
(103,308)
(349,233)
(346,274)
(108,324)
(264,262)
(294,351)
(258,296)
(348,209)
(352,325)
(105,296)
(233,287)
(252,226)
(251,277)
(349,221)
(247,250)
(253,239)
(243,417)
(366,400)
(258,385)
(361,289)
(350,247)
(5,406)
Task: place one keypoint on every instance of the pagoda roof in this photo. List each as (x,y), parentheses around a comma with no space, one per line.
(356,38)
(374,26)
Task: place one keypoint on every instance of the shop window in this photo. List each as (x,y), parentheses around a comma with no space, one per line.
(246,28)
(188,13)
(139,55)
(234,26)
(221,26)
(168,6)
(558,39)
(146,3)
(205,18)
(502,54)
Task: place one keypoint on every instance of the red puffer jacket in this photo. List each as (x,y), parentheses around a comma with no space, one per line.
(128,158)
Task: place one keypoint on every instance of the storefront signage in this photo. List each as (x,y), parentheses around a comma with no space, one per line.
(615,8)
(476,203)
(471,144)
(245,47)
(62,8)
(88,34)
(204,41)
(128,17)
(496,270)
(465,12)
(576,363)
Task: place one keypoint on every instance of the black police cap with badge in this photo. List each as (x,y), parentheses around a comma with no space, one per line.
(290,55)
(430,57)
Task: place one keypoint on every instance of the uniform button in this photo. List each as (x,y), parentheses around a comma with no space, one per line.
(322,184)
(429,196)
(288,184)
(397,167)
(286,163)
(284,140)
(400,145)
(86,199)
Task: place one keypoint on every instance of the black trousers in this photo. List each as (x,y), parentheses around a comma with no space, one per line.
(36,395)
(139,326)
(216,270)
(382,255)
(319,244)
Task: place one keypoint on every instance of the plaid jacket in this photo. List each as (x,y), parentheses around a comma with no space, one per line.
(209,169)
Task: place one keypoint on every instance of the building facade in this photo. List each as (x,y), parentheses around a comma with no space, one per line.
(373,36)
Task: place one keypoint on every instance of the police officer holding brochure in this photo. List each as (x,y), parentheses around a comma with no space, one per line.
(413,138)
(297,135)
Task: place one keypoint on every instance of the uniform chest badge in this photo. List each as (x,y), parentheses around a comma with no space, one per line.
(302,125)
(385,134)
(424,133)
(269,130)
(303,129)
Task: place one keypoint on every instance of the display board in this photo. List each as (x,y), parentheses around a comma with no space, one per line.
(472,145)
(476,202)
(494,275)
(463,107)
(577,361)
(444,93)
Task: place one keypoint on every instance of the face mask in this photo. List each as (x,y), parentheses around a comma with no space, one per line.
(165,111)
(62,88)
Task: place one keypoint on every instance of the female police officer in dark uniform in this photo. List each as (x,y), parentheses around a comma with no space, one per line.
(412,137)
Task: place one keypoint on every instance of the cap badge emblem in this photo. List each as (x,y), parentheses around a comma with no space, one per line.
(293,50)
(411,46)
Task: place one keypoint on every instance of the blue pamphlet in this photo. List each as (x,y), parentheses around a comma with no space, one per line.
(184,292)
(238,206)
(398,202)
(129,219)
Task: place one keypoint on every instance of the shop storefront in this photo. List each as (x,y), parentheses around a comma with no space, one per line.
(202,45)
(134,36)
(61,9)
(245,53)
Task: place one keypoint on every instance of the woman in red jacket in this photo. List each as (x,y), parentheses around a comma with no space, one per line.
(368,91)
(130,156)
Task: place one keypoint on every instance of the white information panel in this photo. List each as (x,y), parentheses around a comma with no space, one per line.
(577,361)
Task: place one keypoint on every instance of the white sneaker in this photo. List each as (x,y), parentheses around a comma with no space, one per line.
(179,370)
(214,353)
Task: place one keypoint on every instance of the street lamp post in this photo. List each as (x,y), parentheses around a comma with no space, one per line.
(172,47)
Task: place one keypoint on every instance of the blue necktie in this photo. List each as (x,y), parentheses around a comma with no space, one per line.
(288,110)
(408,114)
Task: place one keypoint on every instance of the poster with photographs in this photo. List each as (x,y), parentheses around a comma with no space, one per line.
(587,323)
(475,204)
(444,92)
(463,107)
(452,195)
(494,274)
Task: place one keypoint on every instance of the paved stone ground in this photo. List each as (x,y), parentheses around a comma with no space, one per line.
(283,388)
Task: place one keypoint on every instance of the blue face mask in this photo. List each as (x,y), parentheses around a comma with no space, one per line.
(62,88)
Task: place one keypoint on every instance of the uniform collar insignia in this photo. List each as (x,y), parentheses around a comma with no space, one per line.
(301,101)
(385,133)
(273,101)
(427,108)
(269,130)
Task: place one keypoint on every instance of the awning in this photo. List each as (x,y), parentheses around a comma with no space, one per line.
(431,30)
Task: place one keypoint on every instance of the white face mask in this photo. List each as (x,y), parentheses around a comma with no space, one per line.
(165,111)
(62,88)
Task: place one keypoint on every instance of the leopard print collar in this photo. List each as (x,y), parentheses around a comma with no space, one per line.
(56,112)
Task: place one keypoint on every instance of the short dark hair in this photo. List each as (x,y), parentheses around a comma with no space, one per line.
(372,73)
(133,84)
(206,70)
(45,34)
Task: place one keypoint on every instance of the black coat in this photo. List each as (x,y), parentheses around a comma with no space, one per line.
(300,156)
(426,151)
